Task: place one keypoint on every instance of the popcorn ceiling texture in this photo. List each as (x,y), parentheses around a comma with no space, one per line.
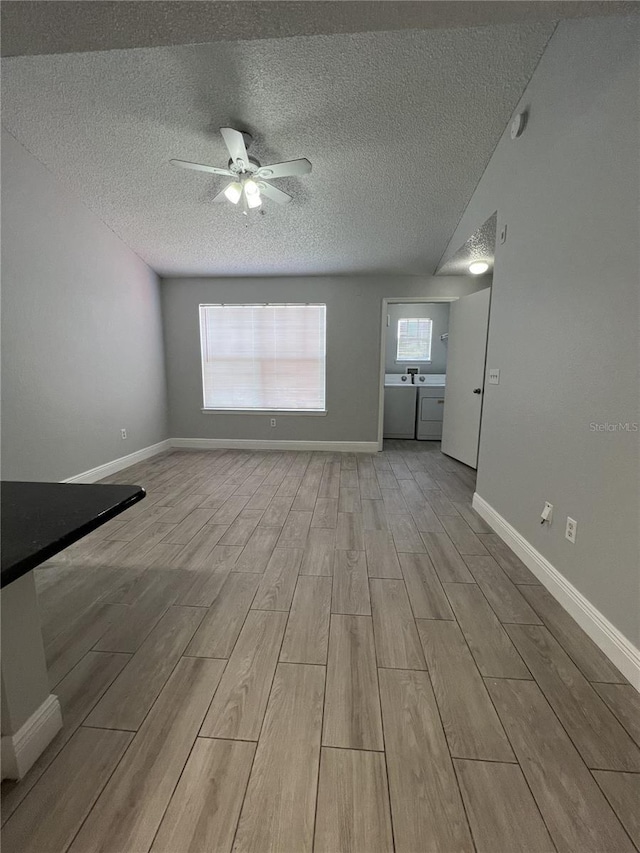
(71,26)
(398,125)
(479,247)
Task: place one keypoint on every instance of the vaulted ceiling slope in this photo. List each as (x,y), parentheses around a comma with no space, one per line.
(398,125)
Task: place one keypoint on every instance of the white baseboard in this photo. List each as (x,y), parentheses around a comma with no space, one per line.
(620,651)
(116,465)
(95,474)
(21,750)
(266,444)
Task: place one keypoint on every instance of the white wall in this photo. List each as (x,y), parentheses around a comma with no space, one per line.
(82,352)
(438,312)
(564,317)
(354,306)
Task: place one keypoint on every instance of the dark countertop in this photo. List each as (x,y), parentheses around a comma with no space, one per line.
(40,519)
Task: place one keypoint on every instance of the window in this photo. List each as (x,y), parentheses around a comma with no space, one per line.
(263,357)
(414,339)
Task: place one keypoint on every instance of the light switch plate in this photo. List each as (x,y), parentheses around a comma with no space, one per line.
(494,376)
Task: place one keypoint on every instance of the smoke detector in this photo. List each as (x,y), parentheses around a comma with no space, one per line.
(518,124)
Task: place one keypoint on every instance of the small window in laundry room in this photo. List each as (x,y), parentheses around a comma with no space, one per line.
(414,339)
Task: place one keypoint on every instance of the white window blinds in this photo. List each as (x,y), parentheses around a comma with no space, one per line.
(267,357)
(414,339)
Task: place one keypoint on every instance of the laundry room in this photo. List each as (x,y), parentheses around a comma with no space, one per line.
(415,369)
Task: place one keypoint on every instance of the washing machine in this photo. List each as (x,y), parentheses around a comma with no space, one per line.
(399,406)
(430,387)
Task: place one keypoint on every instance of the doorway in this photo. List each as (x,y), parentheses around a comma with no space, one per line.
(400,348)
(468,340)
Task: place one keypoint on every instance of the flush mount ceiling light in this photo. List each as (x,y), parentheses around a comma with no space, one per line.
(249,178)
(478,267)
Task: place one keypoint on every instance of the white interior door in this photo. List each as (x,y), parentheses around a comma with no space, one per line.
(467,347)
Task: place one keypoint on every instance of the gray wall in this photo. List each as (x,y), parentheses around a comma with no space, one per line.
(82,352)
(354,306)
(564,315)
(439,314)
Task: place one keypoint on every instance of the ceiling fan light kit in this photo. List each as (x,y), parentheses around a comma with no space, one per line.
(252,193)
(250,180)
(233,191)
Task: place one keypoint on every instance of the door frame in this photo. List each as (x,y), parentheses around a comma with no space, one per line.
(386,301)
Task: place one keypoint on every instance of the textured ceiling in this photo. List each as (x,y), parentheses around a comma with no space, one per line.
(479,247)
(398,125)
(65,26)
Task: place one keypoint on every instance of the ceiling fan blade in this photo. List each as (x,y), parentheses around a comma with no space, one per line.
(274,193)
(284,170)
(234,141)
(199,167)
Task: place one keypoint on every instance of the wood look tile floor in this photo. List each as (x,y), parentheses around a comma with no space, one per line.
(281,652)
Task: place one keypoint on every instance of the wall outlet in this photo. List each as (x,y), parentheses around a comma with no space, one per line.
(273,422)
(571,530)
(123,433)
(494,376)
(547,513)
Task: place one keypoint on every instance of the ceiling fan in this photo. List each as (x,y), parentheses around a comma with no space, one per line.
(249,179)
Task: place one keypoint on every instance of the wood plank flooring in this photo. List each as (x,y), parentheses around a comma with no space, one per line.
(282,652)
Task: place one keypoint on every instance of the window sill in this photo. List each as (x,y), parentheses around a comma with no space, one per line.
(271,412)
(414,361)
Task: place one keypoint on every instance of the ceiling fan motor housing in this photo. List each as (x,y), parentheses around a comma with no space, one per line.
(252,166)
